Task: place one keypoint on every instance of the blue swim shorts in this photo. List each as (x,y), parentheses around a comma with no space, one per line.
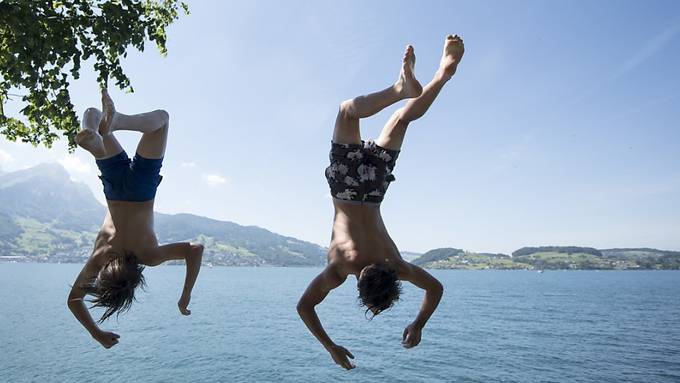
(130,180)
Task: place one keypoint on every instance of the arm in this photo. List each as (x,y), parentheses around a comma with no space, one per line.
(316,292)
(192,254)
(433,294)
(77,306)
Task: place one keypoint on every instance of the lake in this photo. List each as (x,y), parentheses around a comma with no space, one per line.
(491,326)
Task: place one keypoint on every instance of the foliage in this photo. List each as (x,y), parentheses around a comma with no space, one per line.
(566,259)
(39,39)
(553,260)
(437,255)
(556,249)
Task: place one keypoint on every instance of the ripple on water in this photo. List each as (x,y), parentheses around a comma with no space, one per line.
(491,327)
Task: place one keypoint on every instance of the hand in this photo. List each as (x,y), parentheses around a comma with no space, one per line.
(340,356)
(107,339)
(183,303)
(411,336)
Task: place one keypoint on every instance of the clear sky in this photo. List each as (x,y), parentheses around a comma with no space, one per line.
(562,125)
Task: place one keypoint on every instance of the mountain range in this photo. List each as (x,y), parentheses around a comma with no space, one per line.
(553,258)
(46,217)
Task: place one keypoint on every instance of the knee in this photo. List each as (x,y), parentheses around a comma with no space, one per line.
(197,248)
(347,110)
(401,117)
(163,119)
(164,116)
(92,113)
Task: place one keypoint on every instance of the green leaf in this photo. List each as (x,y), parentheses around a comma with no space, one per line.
(43,45)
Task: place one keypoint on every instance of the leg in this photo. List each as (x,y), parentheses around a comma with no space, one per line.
(392,135)
(347,123)
(90,139)
(153,126)
(152,144)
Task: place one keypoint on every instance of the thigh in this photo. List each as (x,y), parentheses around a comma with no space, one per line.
(111,145)
(152,145)
(342,173)
(346,130)
(144,178)
(393,133)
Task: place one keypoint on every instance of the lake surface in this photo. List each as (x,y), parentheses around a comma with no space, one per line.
(491,326)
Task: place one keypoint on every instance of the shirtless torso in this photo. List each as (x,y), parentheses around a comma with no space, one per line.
(134,230)
(359,239)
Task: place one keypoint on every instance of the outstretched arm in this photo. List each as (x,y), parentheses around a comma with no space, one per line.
(433,294)
(77,306)
(316,292)
(192,254)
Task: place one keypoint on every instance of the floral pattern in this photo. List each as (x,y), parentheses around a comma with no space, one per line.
(360,172)
(351,181)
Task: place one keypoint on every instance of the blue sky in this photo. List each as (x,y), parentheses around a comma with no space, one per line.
(562,125)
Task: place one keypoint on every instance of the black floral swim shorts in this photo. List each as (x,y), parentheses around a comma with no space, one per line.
(360,172)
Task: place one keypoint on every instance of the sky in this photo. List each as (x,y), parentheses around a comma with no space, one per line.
(561,126)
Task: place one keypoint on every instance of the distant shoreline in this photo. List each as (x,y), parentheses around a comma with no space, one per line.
(208,266)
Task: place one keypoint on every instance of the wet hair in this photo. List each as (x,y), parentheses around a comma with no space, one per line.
(379,288)
(114,287)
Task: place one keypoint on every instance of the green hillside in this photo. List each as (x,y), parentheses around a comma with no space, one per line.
(554,258)
(45,217)
(450,258)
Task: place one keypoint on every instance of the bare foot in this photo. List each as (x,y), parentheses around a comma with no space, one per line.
(108,114)
(91,141)
(453,53)
(407,85)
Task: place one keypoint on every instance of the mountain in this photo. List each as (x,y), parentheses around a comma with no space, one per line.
(556,249)
(627,253)
(45,193)
(645,257)
(451,258)
(46,217)
(228,243)
(409,255)
(437,255)
(553,258)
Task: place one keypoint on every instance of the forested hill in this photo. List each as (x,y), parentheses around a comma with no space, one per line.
(46,217)
(553,258)
(556,249)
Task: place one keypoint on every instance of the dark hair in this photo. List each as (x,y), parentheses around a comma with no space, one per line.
(114,287)
(379,288)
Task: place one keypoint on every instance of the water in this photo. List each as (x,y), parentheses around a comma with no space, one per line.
(491,326)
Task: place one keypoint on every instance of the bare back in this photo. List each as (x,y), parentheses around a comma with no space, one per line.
(129,226)
(360,238)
